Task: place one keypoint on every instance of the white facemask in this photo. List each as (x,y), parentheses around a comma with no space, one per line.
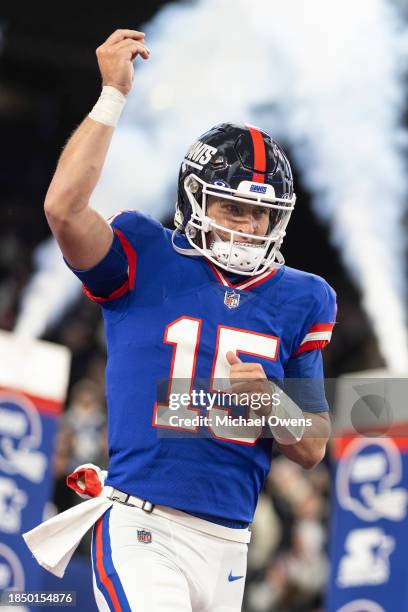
(239,256)
(257,255)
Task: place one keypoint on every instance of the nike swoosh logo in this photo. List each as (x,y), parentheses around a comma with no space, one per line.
(231,578)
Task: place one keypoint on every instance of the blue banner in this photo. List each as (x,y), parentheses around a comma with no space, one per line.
(369,535)
(33,383)
(26,446)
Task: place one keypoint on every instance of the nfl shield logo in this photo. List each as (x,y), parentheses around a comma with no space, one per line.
(144,536)
(231,299)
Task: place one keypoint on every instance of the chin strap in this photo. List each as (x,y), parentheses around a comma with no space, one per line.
(191,252)
(280,260)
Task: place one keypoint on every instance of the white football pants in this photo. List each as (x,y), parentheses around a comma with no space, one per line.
(149,563)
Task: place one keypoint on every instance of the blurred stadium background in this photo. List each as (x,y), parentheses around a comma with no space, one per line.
(330,82)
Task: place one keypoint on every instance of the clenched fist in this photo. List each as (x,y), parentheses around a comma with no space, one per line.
(248,379)
(116,55)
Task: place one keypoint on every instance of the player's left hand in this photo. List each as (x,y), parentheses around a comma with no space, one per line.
(250,378)
(87,480)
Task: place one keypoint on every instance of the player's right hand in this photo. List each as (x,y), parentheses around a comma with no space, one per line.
(116,55)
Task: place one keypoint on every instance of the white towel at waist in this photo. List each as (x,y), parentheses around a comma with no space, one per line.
(53,542)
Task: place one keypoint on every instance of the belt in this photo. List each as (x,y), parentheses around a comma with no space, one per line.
(130,500)
(183,518)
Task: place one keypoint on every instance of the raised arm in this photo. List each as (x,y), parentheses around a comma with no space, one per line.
(82,233)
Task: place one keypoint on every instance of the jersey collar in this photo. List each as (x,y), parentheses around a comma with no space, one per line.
(247,283)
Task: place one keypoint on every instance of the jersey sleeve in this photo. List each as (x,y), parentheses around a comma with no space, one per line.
(115,274)
(304,377)
(318,326)
(304,381)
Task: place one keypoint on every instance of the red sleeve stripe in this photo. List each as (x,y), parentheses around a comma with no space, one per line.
(321,327)
(131,257)
(112,296)
(318,335)
(259,155)
(129,284)
(310,346)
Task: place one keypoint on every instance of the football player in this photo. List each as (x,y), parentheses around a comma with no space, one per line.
(210,301)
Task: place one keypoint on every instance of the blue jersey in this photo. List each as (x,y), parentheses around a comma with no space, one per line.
(172,317)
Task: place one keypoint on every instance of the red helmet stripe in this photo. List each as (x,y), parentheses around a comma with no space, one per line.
(259,154)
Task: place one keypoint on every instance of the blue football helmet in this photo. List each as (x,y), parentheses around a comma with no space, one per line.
(243,164)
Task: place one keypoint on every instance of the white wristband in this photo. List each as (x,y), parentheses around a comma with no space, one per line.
(289,426)
(109,107)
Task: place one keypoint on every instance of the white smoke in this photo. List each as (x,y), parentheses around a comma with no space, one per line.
(325,77)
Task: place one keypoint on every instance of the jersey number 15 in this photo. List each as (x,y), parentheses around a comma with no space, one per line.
(184,335)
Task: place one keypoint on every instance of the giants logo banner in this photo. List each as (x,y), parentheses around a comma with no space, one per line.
(369,534)
(33,385)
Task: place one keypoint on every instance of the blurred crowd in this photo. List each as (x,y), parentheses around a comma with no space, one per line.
(288,557)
